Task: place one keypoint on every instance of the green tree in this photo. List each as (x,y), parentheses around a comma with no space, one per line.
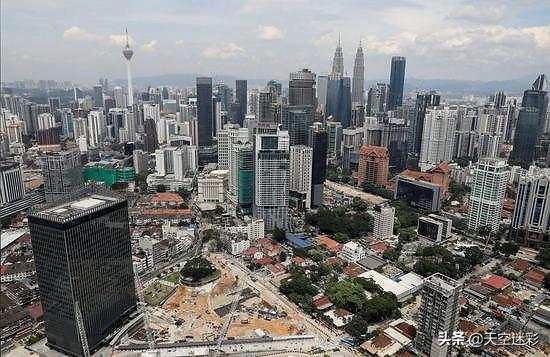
(197,268)
(341,237)
(278,234)
(357,327)
(347,294)
(509,248)
(544,257)
(473,255)
(381,307)
(369,285)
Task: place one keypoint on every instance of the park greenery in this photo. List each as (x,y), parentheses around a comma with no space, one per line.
(438,259)
(299,289)
(351,224)
(198,269)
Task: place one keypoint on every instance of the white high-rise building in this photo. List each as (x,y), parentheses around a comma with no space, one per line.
(487,193)
(120,97)
(438,314)
(11,182)
(438,136)
(531,219)
(271,180)
(185,160)
(160,162)
(96,125)
(383,221)
(46,121)
(230,139)
(301,161)
(151,111)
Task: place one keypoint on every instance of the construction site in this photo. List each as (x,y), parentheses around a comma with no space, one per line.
(226,311)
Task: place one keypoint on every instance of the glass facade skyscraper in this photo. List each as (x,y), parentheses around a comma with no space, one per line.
(83,255)
(397,80)
(204,111)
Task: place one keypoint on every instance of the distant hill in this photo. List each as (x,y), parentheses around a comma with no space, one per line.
(512,86)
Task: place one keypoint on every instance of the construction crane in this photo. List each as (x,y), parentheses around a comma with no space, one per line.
(144,312)
(81,330)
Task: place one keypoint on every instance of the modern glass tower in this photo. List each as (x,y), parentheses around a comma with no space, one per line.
(245,178)
(397,80)
(319,142)
(297,119)
(204,111)
(531,123)
(62,173)
(83,257)
(241,98)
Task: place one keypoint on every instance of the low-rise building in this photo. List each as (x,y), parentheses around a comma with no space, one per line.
(403,287)
(352,252)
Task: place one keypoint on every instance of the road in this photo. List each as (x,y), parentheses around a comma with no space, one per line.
(330,339)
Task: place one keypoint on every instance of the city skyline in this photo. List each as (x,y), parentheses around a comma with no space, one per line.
(266,40)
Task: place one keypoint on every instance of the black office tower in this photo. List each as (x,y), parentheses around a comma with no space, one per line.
(241,98)
(531,123)
(83,258)
(297,119)
(204,111)
(301,88)
(397,79)
(339,100)
(318,140)
(416,122)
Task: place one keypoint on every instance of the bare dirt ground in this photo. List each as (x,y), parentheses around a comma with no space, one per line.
(193,309)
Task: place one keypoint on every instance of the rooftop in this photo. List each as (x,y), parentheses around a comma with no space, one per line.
(443,282)
(77,208)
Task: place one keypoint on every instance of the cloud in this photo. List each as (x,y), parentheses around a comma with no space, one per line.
(76,33)
(180,43)
(225,51)
(150,46)
(269,33)
(324,40)
(486,14)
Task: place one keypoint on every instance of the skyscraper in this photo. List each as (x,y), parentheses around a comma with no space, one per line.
(487,194)
(438,136)
(271,181)
(11,182)
(338,60)
(397,79)
(338,104)
(437,314)
(83,260)
(319,143)
(334,131)
(297,120)
(301,88)
(62,172)
(358,91)
(373,166)
(241,99)
(531,218)
(128,54)
(245,178)
(301,159)
(531,123)
(204,111)
(416,122)
(383,221)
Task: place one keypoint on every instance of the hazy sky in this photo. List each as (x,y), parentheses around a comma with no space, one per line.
(81,40)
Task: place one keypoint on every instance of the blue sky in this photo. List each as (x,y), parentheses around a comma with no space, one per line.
(82,40)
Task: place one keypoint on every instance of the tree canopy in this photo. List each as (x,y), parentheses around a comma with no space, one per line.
(197,269)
